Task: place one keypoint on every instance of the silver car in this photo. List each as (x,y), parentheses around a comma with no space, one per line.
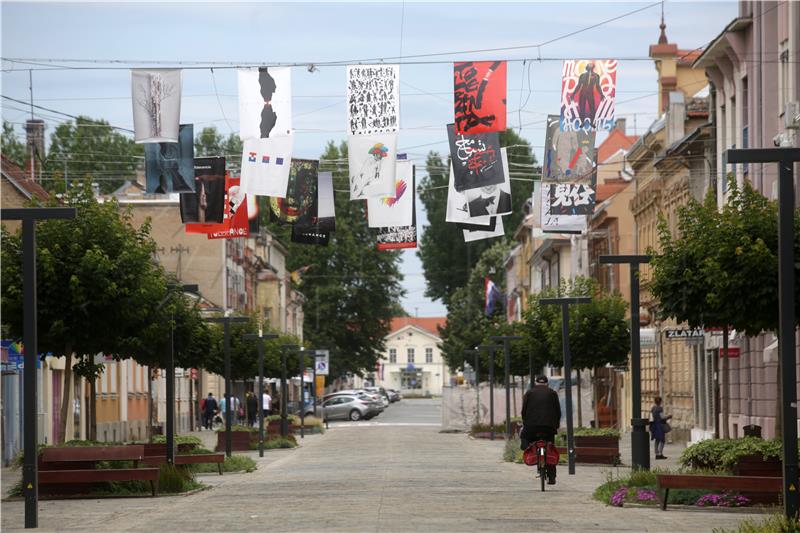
(347,407)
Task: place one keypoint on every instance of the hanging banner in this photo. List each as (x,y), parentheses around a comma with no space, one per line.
(310,236)
(156,96)
(490,226)
(588,91)
(479,94)
(300,205)
(397,210)
(236,223)
(372,161)
(491,199)
(373,99)
(265,102)
(571,198)
(568,155)
(265,166)
(556,223)
(478,235)
(169,167)
(254,207)
(326,208)
(400,237)
(476,159)
(457,205)
(207,204)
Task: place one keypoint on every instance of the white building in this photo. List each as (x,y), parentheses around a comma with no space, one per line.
(413,362)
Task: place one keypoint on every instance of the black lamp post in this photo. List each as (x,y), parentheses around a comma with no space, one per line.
(226,322)
(260,337)
(30,473)
(565,303)
(506,340)
(491,348)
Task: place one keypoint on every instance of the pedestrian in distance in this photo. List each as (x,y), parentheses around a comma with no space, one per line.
(541,417)
(239,411)
(252,409)
(209,410)
(266,404)
(659,426)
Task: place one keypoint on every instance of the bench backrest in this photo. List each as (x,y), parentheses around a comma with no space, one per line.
(93,453)
(155,449)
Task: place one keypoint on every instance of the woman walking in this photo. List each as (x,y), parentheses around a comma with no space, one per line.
(659,427)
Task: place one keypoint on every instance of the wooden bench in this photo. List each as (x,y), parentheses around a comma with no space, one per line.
(74,465)
(156,454)
(604,456)
(760,484)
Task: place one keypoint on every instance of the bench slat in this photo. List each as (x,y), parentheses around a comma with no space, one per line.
(93,476)
(93,453)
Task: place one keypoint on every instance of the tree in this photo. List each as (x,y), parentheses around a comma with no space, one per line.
(98,286)
(352,290)
(14,150)
(88,148)
(446,259)
(210,143)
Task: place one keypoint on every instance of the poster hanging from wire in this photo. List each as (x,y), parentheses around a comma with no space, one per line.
(552,222)
(156,97)
(478,235)
(476,159)
(479,94)
(206,205)
(265,102)
(373,99)
(588,91)
(372,161)
(568,155)
(266,164)
(169,167)
(457,205)
(300,205)
(236,223)
(491,199)
(396,210)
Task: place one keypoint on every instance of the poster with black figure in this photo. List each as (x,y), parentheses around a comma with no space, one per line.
(457,206)
(476,159)
(373,99)
(480,234)
(492,199)
(300,205)
(156,97)
(169,167)
(265,102)
(206,205)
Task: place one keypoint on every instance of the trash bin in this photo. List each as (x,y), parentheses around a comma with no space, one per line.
(752,431)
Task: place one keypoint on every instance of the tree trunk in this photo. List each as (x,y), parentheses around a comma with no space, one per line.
(595,398)
(93,407)
(726,395)
(149,405)
(580,408)
(65,403)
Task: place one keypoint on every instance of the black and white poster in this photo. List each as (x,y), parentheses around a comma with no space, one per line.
(326,208)
(372,161)
(571,198)
(206,205)
(457,206)
(169,167)
(373,99)
(556,223)
(400,237)
(476,159)
(265,102)
(491,199)
(480,234)
(156,96)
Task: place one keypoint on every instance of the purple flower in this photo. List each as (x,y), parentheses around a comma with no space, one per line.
(722,500)
(645,495)
(618,498)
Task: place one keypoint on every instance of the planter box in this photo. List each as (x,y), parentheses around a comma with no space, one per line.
(240,440)
(596,442)
(755,465)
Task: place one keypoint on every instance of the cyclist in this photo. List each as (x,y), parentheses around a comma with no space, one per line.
(541,416)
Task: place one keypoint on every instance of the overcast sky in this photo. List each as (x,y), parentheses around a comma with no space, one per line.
(139,34)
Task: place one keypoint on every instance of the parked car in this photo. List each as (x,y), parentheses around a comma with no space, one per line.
(394,395)
(380,391)
(347,407)
(371,399)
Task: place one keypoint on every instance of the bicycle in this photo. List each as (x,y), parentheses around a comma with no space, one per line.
(536,454)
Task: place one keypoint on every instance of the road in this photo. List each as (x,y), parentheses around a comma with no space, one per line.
(396,473)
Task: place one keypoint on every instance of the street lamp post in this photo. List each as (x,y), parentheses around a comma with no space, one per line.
(226,322)
(30,473)
(260,337)
(506,340)
(565,302)
(491,348)
(286,348)
(785,157)
(640,444)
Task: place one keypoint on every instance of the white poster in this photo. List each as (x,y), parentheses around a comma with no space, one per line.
(265,102)
(326,207)
(265,166)
(457,208)
(156,95)
(397,210)
(373,99)
(555,223)
(478,235)
(372,165)
(491,199)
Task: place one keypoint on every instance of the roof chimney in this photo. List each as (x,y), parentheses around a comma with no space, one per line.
(621,125)
(34,133)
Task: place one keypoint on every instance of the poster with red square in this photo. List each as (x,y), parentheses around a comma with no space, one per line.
(479,96)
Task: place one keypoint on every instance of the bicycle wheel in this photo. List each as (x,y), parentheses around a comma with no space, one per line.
(542,472)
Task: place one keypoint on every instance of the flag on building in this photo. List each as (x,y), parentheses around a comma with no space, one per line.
(492,296)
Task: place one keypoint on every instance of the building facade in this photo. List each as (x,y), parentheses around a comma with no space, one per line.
(412,362)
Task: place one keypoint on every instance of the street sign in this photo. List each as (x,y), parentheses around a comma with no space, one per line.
(322,362)
(683,333)
(733,352)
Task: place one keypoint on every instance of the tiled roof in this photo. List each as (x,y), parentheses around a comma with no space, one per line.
(429,324)
(615,142)
(609,188)
(21,181)
(687,57)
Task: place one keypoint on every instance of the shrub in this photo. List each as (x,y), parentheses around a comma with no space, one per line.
(723,454)
(234,463)
(511,452)
(486,428)
(180,440)
(279,442)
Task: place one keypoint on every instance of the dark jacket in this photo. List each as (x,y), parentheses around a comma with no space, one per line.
(211,406)
(541,408)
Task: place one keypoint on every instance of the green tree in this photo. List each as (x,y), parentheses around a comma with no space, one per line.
(11,147)
(446,259)
(210,143)
(88,148)
(98,286)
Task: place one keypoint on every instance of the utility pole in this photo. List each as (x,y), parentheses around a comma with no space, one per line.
(786,158)
(180,249)
(491,348)
(506,340)
(565,302)
(260,337)
(30,473)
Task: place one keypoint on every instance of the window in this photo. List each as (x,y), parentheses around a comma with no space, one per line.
(392,355)
(429,355)
(410,353)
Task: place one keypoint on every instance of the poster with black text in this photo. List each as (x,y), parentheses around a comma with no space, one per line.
(476,159)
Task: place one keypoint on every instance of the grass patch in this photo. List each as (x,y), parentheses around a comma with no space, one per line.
(773,524)
(180,440)
(234,463)
(511,451)
(279,442)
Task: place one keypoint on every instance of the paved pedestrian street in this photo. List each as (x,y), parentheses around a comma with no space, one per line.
(397,473)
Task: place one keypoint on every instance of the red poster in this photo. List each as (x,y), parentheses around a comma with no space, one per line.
(236,222)
(479,92)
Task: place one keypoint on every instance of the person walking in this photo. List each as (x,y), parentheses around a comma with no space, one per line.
(209,410)
(252,409)
(659,426)
(541,417)
(266,403)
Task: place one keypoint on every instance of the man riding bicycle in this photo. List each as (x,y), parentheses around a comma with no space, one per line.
(541,417)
